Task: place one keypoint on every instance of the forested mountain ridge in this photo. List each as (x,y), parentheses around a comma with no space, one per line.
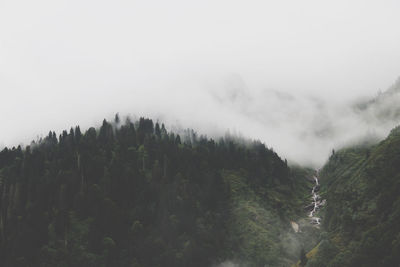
(138,195)
(362,218)
(383,108)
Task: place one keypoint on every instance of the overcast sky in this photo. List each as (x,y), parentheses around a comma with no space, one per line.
(204,64)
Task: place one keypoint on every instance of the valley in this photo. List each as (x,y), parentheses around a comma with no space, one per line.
(137,194)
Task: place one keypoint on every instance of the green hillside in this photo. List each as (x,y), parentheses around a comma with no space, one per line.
(362,218)
(137,195)
(259,231)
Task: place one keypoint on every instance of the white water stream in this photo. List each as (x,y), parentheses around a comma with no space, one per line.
(316,203)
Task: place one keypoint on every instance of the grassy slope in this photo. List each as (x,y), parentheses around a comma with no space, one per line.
(362,219)
(259,227)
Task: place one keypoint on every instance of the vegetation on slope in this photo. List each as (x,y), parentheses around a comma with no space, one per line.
(259,231)
(362,218)
(138,195)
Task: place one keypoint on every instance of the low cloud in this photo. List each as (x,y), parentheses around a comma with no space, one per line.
(301,126)
(300,67)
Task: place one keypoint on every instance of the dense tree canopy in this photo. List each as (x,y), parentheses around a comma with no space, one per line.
(125,195)
(362,218)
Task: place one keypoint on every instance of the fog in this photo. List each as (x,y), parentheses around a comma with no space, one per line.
(289,73)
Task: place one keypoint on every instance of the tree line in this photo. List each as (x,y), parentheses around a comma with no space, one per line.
(125,194)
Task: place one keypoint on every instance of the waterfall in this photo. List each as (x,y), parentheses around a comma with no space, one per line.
(316,203)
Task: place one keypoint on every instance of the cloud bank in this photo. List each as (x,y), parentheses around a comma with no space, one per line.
(304,128)
(285,72)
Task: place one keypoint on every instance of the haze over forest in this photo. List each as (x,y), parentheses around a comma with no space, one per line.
(290,73)
(223,133)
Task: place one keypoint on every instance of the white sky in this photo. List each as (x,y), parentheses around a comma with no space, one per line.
(69,62)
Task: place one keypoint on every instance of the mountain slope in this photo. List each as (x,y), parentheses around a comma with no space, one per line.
(138,195)
(362,188)
(259,231)
(382,109)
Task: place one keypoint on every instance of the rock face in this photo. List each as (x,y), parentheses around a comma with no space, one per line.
(295,226)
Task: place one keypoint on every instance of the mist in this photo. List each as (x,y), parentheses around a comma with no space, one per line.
(299,76)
